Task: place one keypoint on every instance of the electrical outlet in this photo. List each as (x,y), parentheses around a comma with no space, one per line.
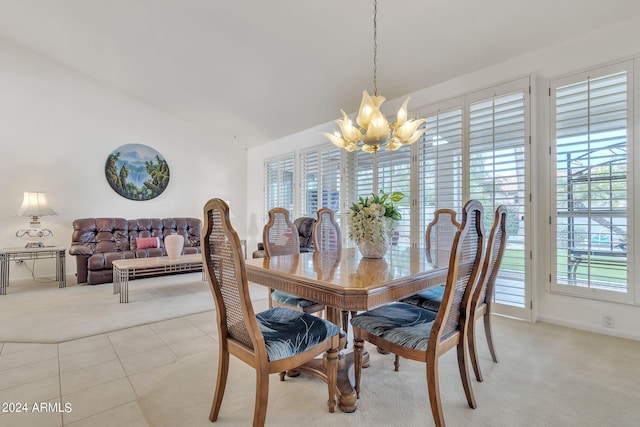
(608,321)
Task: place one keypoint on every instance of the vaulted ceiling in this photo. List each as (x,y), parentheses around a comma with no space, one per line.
(263,69)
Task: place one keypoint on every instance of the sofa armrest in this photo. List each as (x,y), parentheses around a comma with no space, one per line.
(80,250)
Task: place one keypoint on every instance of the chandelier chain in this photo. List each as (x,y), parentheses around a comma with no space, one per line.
(371,129)
(375,47)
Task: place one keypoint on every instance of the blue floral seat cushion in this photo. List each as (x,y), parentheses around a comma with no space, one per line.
(288,332)
(429,299)
(292,300)
(403,324)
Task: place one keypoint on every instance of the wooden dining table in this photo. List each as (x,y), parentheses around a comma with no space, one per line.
(344,280)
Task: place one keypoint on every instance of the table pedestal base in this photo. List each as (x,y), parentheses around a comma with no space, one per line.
(345,389)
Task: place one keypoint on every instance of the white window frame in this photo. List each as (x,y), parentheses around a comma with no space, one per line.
(632,67)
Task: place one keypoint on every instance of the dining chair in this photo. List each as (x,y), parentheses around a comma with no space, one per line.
(439,236)
(271,341)
(327,236)
(280,237)
(439,241)
(423,335)
(326,231)
(482,299)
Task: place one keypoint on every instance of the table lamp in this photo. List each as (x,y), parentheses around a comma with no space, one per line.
(34,205)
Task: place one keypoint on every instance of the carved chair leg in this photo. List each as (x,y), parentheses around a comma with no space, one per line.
(464,372)
(433,387)
(262,397)
(473,350)
(221,383)
(358,348)
(488,331)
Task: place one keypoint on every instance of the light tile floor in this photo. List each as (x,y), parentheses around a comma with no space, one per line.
(95,381)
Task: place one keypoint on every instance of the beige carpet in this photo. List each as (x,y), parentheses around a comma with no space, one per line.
(547,376)
(42,312)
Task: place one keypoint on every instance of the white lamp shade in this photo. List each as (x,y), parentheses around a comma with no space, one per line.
(35,205)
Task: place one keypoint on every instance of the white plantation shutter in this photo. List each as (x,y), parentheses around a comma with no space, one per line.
(394,174)
(440,165)
(321,179)
(388,171)
(358,181)
(476,147)
(591,121)
(309,182)
(279,183)
(496,152)
(498,141)
(364,174)
(330,179)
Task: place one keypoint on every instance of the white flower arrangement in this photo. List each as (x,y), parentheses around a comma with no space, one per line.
(372,218)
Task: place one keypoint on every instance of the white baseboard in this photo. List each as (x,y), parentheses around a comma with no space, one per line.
(589,328)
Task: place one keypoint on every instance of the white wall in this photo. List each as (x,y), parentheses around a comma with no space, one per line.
(57,129)
(611,44)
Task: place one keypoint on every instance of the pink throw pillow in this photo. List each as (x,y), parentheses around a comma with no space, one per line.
(147,242)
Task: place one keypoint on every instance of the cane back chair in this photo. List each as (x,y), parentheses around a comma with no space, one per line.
(272,341)
(423,335)
(482,300)
(280,237)
(439,240)
(326,231)
(327,236)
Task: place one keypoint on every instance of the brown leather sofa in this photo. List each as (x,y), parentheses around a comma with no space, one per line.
(97,242)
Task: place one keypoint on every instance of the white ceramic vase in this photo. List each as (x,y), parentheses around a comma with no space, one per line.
(369,249)
(173,244)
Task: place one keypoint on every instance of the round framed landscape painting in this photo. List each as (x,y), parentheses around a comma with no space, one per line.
(137,172)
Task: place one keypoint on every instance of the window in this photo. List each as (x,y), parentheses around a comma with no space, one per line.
(279,183)
(476,147)
(320,171)
(498,143)
(591,122)
(394,174)
(386,171)
(364,176)
(440,164)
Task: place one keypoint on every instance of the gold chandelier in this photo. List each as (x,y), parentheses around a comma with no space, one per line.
(373,129)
